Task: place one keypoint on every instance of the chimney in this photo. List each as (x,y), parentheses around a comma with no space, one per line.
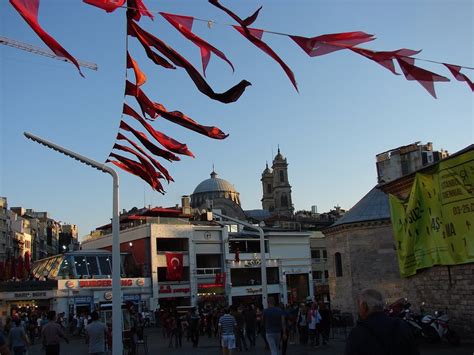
(186,208)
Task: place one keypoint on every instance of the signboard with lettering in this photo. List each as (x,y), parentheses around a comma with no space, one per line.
(170,290)
(99,283)
(435,226)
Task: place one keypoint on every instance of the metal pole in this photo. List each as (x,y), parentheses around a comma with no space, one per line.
(263,264)
(117,343)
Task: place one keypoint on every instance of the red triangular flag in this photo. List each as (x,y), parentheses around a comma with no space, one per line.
(28,9)
(184,25)
(423,76)
(456,71)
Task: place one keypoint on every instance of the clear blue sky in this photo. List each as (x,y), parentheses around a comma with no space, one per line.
(348,110)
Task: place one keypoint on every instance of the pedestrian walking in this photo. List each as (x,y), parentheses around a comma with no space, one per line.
(275,325)
(96,335)
(313,319)
(51,335)
(194,321)
(302,324)
(325,324)
(377,333)
(227,325)
(18,339)
(250,317)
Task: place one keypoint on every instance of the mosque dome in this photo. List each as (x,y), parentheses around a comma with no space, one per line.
(214,184)
(214,189)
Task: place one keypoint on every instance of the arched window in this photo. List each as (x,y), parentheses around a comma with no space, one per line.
(282,176)
(284,201)
(338,262)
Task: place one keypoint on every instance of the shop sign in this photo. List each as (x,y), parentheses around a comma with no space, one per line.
(169,289)
(133,298)
(83,300)
(23,295)
(295,271)
(252,291)
(103,283)
(107,295)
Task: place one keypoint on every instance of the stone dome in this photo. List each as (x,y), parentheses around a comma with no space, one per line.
(217,190)
(214,184)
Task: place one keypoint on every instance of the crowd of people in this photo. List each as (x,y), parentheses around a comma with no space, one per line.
(307,324)
(235,327)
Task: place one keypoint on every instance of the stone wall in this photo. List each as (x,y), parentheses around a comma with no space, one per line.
(369,261)
(449,289)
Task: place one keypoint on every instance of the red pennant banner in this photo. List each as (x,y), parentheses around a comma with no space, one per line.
(149,145)
(167,142)
(140,77)
(324,44)
(184,25)
(137,8)
(157,164)
(137,169)
(28,9)
(456,71)
(385,58)
(174,266)
(147,40)
(423,76)
(107,5)
(144,162)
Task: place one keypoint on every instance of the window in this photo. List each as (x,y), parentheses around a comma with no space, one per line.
(318,275)
(81,267)
(208,260)
(316,254)
(104,263)
(273,276)
(246,246)
(171,244)
(326,274)
(338,262)
(269,188)
(325,254)
(282,176)
(246,277)
(92,265)
(284,201)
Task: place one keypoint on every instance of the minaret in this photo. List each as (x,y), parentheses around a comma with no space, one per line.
(281,186)
(267,188)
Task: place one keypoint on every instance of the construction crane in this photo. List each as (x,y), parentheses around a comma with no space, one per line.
(42,51)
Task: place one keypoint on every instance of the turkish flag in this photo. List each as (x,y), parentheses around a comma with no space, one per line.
(174,266)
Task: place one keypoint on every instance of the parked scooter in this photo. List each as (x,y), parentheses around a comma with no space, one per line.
(436,327)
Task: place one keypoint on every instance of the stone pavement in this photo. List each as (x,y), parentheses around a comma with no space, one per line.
(158,345)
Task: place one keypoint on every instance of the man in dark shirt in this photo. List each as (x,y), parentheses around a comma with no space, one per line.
(275,325)
(376,333)
(250,317)
(51,334)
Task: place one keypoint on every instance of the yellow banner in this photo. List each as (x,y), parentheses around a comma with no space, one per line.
(435,225)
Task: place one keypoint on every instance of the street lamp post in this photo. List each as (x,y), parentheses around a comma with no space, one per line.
(263,263)
(117,344)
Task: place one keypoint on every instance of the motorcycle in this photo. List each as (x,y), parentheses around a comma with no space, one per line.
(436,327)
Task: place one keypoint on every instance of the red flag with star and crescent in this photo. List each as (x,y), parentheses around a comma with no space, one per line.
(174,266)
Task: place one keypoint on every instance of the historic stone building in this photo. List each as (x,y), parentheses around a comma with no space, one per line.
(276,187)
(362,254)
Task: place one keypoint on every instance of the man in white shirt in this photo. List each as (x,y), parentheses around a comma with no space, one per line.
(96,335)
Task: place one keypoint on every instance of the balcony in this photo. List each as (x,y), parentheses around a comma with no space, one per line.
(203,272)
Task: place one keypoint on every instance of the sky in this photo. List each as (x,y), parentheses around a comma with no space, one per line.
(348,108)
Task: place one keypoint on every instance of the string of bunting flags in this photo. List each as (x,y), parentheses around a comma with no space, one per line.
(143,163)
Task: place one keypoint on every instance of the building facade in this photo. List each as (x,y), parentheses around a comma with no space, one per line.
(401,161)
(221,262)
